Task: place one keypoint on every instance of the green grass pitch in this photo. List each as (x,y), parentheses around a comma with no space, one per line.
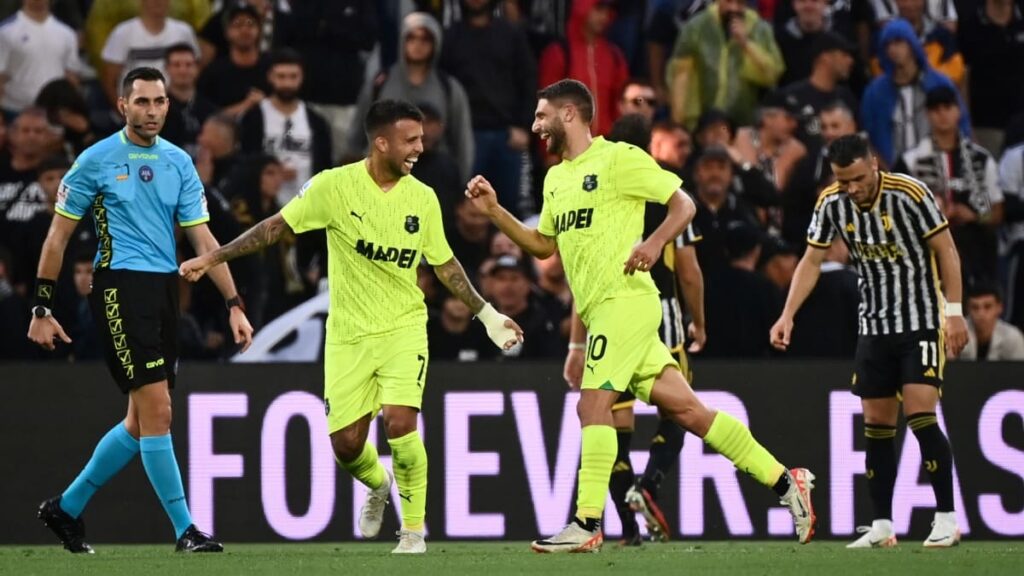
(494,558)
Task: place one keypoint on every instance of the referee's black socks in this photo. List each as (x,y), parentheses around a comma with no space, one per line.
(937,457)
(880,462)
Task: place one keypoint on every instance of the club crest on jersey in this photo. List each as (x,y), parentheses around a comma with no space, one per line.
(886,222)
(412,224)
(590,182)
(145,173)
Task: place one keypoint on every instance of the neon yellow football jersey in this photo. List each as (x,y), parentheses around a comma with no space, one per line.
(594,207)
(375,240)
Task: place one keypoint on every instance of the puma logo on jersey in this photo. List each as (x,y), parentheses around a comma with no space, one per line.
(356,215)
(578,219)
(402,257)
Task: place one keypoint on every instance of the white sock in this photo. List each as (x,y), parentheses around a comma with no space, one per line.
(949,517)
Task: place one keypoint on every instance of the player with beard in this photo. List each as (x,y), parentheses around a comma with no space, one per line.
(380,220)
(283,126)
(593,214)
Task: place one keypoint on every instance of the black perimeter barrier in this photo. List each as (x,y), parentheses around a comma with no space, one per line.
(503,442)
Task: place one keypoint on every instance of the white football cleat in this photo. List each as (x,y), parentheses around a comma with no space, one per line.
(573,538)
(798,500)
(410,542)
(879,535)
(945,532)
(372,513)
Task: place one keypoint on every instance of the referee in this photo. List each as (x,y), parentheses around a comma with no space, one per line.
(896,233)
(136,186)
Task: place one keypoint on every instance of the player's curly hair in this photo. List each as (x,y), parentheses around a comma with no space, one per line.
(846,150)
(572,91)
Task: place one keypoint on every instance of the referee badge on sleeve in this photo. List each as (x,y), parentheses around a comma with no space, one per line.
(62,195)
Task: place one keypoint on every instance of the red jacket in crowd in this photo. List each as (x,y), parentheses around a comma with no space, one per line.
(596,62)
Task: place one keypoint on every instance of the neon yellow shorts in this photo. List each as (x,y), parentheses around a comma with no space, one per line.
(362,376)
(624,351)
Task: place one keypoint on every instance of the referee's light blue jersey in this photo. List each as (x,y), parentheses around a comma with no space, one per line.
(135,194)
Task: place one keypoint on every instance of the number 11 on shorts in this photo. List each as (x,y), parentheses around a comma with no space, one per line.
(929,353)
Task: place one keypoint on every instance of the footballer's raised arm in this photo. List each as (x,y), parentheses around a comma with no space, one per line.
(483,197)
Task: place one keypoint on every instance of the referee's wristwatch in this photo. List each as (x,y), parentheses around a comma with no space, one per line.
(235,301)
(41,311)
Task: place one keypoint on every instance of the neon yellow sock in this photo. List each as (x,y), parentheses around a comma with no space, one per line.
(596,461)
(730,438)
(409,462)
(366,467)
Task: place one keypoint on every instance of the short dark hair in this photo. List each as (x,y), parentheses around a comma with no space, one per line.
(838,106)
(241,9)
(178,48)
(715,153)
(941,96)
(572,91)
(635,81)
(668,126)
(984,288)
(144,73)
(285,56)
(384,113)
(631,129)
(846,150)
(227,122)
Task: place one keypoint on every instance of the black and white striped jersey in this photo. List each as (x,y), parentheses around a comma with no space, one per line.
(968,175)
(888,242)
(936,10)
(673,332)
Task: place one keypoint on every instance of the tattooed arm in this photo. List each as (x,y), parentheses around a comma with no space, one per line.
(501,329)
(259,236)
(454,278)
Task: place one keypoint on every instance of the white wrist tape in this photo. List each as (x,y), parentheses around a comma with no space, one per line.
(494,322)
(954,309)
(577,346)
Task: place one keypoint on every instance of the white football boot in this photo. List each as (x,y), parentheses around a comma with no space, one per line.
(798,500)
(410,542)
(879,535)
(372,513)
(573,538)
(945,532)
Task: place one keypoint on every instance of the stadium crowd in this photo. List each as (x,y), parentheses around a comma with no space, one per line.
(741,100)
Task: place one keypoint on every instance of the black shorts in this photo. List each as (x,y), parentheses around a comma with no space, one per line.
(885,363)
(137,316)
(627,398)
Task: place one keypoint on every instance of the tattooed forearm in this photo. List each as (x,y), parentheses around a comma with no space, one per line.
(259,236)
(454,279)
